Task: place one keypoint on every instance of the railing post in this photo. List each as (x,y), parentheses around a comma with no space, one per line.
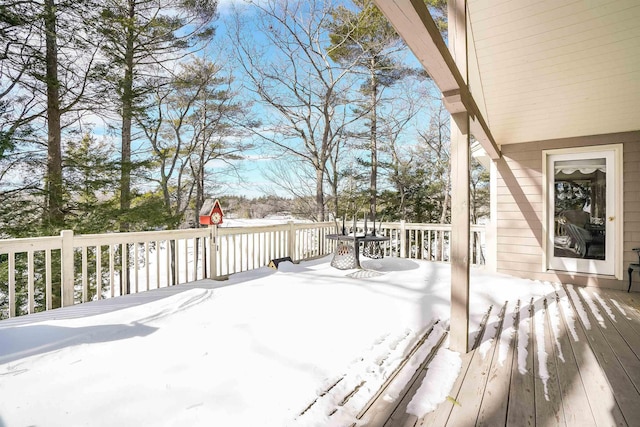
(291,244)
(403,239)
(66,256)
(213,251)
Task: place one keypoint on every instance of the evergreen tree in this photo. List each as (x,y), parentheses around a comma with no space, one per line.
(366,39)
(141,40)
(13,18)
(90,182)
(48,63)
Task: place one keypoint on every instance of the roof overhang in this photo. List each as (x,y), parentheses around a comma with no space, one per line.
(536,70)
(414,24)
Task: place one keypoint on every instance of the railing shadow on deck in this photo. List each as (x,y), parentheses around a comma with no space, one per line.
(565,375)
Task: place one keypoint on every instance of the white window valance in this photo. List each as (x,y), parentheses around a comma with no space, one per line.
(584,166)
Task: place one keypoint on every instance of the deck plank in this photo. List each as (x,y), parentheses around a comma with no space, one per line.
(622,387)
(521,408)
(548,398)
(627,325)
(471,395)
(604,408)
(575,403)
(394,413)
(440,416)
(379,409)
(630,300)
(493,409)
(623,352)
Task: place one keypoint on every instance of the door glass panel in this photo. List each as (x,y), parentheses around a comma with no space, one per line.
(580,208)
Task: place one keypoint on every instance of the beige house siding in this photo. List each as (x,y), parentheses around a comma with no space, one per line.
(519,231)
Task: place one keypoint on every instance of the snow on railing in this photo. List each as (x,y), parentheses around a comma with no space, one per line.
(43,273)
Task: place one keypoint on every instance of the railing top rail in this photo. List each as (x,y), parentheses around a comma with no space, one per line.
(55,242)
(224,231)
(413,225)
(30,244)
(302,225)
(138,236)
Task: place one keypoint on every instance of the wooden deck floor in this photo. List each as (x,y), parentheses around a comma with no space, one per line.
(572,360)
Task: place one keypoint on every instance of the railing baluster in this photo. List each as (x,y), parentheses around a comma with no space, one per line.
(112,271)
(265,249)
(67,266)
(272,245)
(176,262)
(226,253)
(234,248)
(196,257)
(124,273)
(157,248)
(167,252)
(204,244)
(99,271)
(186,260)
(243,251)
(253,251)
(12,283)
(85,281)
(48,293)
(136,267)
(444,247)
(30,283)
(146,265)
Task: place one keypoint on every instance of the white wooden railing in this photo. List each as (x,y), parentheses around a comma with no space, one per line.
(42,273)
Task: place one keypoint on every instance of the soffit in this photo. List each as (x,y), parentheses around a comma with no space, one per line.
(553,69)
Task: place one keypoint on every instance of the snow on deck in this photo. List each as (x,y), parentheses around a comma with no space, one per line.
(257,349)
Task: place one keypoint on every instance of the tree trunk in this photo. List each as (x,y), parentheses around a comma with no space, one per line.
(320,194)
(373,186)
(127,115)
(335,189)
(53,215)
(443,216)
(199,189)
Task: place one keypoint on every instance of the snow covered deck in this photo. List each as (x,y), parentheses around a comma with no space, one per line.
(309,345)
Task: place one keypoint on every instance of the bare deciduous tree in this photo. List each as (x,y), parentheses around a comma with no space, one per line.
(302,93)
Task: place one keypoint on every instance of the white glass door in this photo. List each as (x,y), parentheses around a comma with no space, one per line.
(581,211)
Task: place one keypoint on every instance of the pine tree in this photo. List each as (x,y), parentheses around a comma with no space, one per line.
(141,39)
(364,39)
(48,63)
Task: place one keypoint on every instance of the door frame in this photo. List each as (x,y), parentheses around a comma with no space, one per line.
(616,210)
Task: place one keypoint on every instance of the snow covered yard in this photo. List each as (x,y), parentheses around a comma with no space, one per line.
(257,349)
